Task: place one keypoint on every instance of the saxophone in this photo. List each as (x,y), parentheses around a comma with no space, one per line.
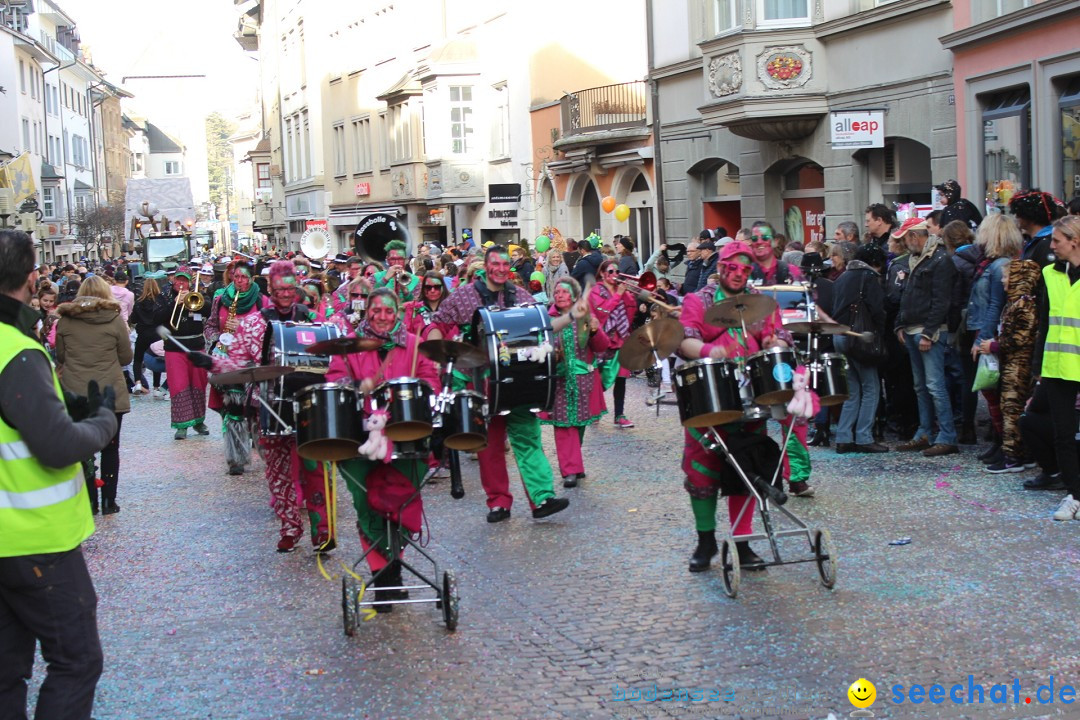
(227,338)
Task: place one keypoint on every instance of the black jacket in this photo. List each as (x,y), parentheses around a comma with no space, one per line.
(967,260)
(587,265)
(928,291)
(962,209)
(859,277)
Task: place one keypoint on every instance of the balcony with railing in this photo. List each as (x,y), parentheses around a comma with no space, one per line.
(611,107)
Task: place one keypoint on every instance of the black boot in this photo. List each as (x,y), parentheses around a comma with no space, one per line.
(392,578)
(991,451)
(704,552)
(108,507)
(967,434)
(748,557)
(821,435)
(378,582)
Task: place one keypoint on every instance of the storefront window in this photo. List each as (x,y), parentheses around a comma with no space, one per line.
(1070,140)
(1006,139)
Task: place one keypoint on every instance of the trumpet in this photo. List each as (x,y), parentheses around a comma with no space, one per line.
(645,282)
(192,302)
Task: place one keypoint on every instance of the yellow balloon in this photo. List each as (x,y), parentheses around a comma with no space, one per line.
(622,213)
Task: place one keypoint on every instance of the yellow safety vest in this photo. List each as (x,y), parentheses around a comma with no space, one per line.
(1061,354)
(42,509)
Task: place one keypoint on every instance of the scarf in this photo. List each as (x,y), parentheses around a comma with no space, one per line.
(618,324)
(397,336)
(247,298)
(735,332)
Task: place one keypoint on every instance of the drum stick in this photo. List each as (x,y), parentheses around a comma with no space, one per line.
(415,353)
(164,334)
(864,336)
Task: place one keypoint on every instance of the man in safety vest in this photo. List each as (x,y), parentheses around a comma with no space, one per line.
(46,594)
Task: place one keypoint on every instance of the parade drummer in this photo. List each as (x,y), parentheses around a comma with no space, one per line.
(494,289)
(187,383)
(396,276)
(380,489)
(238,299)
(294,482)
(707,473)
(579,393)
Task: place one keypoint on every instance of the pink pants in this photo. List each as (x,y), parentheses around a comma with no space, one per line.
(292,484)
(734,505)
(568,448)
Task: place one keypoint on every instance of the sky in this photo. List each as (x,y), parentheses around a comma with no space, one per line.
(155,37)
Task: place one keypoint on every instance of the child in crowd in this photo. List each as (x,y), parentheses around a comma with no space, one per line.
(1014,346)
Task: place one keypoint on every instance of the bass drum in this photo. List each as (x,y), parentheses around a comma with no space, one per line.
(521,357)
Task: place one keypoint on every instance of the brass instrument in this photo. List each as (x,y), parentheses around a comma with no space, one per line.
(227,337)
(645,282)
(193,302)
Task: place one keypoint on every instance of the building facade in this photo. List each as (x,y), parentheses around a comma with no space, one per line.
(1017,87)
(753,91)
(437,132)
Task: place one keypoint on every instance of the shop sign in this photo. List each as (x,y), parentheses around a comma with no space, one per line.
(363,189)
(804,219)
(504,192)
(858,129)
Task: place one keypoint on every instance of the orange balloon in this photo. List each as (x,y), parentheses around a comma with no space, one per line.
(608,203)
(622,212)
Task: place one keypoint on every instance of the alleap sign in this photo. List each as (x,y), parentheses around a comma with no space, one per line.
(858,129)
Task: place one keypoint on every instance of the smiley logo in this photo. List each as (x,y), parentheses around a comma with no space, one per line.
(862,693)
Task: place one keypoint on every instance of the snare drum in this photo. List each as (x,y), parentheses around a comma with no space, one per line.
(828,378)
(513,379)
(329,424)
(465,427)
(771,373)
(409,402)
(707,391)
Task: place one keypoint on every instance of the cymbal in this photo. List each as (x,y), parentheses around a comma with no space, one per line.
(662,334)
(258,373)
(736,310)
(465,356)
(817,328)
(343,346)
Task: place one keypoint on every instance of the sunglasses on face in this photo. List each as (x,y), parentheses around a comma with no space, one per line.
(433,287)
(758,239)
(611,271)
(737,268)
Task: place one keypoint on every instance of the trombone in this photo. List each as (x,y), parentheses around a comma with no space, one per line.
(192,302)
(645,282)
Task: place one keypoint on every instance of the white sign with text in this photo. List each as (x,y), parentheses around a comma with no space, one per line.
(858,128)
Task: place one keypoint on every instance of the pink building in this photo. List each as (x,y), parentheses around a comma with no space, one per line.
(1017,81)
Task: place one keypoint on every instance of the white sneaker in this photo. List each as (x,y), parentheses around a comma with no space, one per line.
(1068,509)
(160,394)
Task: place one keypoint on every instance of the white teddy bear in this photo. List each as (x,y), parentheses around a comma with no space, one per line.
(377,446)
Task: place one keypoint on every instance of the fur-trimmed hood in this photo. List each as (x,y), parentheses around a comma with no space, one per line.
(91,309)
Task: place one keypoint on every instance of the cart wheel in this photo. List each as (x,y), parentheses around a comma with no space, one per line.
(729,567)
(825,556)
(349,599)
(449,600)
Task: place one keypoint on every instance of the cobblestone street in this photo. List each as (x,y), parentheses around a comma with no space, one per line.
(201,618)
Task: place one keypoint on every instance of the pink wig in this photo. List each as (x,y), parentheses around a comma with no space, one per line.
(281,269)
